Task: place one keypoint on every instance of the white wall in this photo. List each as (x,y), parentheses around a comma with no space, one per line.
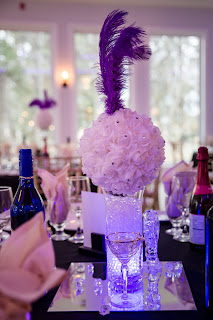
(63,18)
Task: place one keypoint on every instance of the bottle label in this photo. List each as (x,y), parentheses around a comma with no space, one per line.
(197,229)
(203,189)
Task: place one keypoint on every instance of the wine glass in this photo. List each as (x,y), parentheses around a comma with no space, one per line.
(58,210)
(174,213)
(6,199)
(124,245)
(76,185)
(183,185)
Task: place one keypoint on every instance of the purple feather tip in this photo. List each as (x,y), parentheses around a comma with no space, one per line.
(119,47)
(43,104)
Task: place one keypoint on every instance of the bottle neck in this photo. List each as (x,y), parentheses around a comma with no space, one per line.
(26,180)
(26,168)
(203,185)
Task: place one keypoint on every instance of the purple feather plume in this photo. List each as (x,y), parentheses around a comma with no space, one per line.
(43,104)
(119,47)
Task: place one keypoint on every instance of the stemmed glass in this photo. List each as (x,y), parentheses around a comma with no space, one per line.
(6,199)
(183,185)
(58,210)
(173,212)
(77,184)
(124,245)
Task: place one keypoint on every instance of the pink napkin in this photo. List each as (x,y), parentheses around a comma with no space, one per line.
(50,182)
(27,264)
(168,175)
(55,188)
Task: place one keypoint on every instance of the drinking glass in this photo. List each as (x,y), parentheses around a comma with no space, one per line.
(183,185)
(173,212)
(124,245)
(58,211)
(6,199)
(77,184)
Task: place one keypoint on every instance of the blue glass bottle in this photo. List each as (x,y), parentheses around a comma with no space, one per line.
(27,201)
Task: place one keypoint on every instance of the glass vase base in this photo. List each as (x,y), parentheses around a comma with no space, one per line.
(60,237)
(173,232)
(77,238)
(170,232)
(182,238)
(130,301)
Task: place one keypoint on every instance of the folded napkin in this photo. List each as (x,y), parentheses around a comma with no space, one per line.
(55,188)
(50,181)
(168,175)
(27,267)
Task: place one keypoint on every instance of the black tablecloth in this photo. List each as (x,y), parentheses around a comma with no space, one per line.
(169,250)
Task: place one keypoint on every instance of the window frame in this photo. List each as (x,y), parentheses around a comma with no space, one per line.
(51,28)
(72,29)
(203,35)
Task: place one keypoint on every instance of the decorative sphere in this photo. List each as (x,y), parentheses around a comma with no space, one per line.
(43,119)
(122,152)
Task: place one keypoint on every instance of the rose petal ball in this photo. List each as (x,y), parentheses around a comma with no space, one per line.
(122,152)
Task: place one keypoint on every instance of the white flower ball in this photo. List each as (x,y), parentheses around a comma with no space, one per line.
(122,152)
(43,119)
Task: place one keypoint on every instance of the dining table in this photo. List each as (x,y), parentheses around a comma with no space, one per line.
(169,249)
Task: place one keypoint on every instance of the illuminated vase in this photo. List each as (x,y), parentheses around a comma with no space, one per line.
(124,214)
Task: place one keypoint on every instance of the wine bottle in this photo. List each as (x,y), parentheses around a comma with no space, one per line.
(209,260)
(27,201)
(45,151)
(201,201)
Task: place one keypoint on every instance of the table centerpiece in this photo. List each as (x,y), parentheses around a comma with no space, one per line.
(122,151)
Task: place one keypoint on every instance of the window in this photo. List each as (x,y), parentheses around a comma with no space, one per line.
(175,93)
(86,58)
(89,105)
(25,71)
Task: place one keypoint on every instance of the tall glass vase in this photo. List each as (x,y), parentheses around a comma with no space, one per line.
(124,214)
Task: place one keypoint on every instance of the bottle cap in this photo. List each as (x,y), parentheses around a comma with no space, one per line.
(25,153)
(202,154)
(26,162)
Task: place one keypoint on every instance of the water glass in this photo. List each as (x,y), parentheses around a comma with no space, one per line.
(77,184)
(6,199)
(58,211)
(183,185)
